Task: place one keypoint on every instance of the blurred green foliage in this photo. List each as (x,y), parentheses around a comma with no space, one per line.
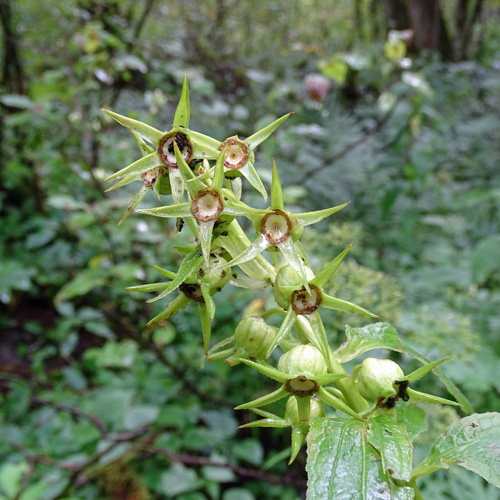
(94,405)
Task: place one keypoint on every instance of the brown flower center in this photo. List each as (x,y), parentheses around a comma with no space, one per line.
(207,205)
(167,152)
(276,227)
(306,303)
(236,153)
(192,291)
(301,386)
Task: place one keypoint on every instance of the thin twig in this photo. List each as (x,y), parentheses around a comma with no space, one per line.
(73,411)
(287,479)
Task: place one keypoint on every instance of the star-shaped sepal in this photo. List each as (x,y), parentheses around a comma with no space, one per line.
(239,157)
(299,414)
(292,296)
(303,372)
(208,203)
(197,282)
(159,147)
(280,229)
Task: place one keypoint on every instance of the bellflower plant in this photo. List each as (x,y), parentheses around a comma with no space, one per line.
(358,427)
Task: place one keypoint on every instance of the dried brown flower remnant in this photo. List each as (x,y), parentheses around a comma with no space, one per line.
(166,148)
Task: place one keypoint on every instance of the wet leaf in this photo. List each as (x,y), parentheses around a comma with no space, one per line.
(473,442)
(342,465)
(390,438)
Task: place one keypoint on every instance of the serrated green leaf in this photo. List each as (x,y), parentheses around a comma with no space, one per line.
(342,465)
(413,418)
(390,438)
(360,340)
(473,442)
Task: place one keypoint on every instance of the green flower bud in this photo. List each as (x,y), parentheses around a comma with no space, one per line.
(377,377)
(215,274)
(253,337)
(287,277)
(302,363)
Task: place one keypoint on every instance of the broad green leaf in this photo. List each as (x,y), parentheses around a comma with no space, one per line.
(485,258)
(249,450)
(390,438)
(384,336)
(178,479)
(237,494)
(360,340)
(139,416)
(473,442)
(11,475)
(114,354)
(413,418)
(342,465)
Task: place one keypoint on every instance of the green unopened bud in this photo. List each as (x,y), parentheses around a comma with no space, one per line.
(299,412)
(377,377)
(253,337)
(302,363)
(286,278)
(215,275)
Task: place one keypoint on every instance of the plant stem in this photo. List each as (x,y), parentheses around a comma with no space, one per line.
(347,384)
(235,243)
